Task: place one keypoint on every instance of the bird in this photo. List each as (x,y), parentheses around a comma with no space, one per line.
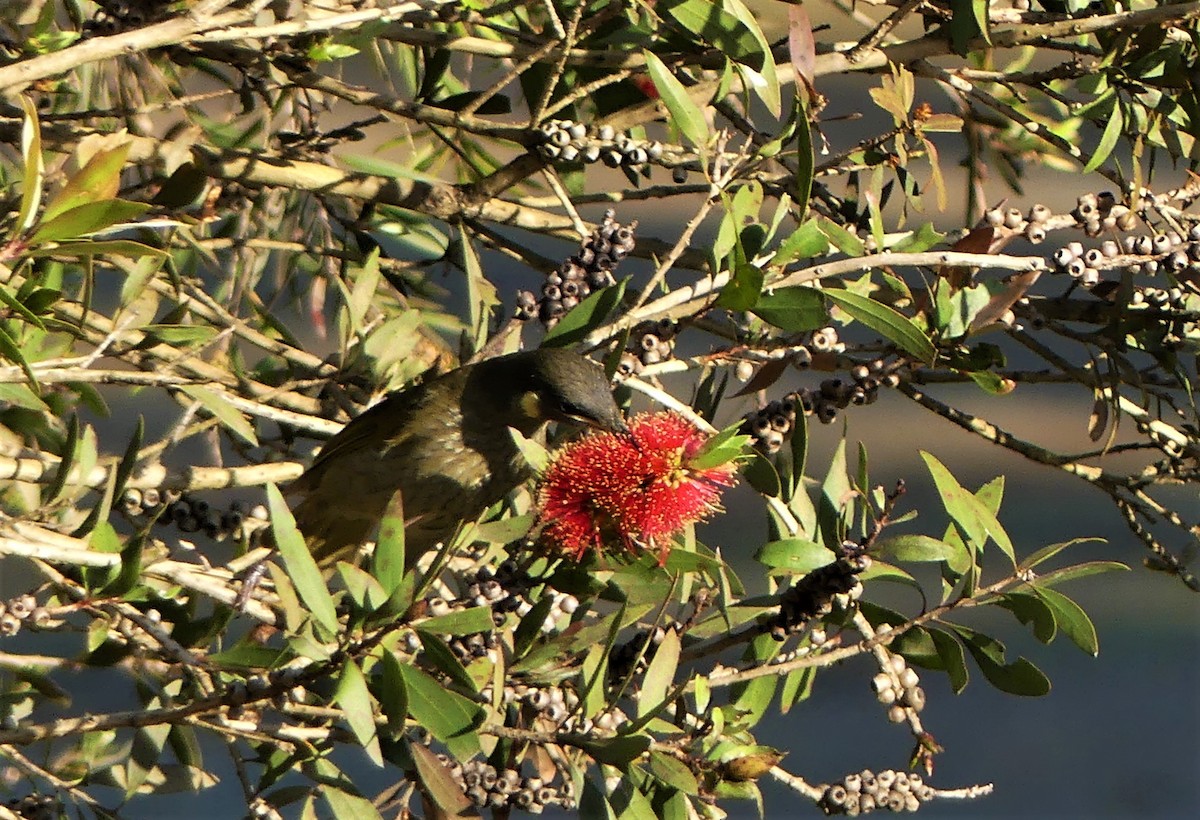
(445,445)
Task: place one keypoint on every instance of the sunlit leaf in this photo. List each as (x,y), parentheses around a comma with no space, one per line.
(886,321)
(301,567)
(98,180)
(685,114)
(358,707)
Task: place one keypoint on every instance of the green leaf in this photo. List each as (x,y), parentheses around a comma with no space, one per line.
(85,249)
(722,448)
(793,309)
(1079,571)
(922,239)
(836,500)
(1071,619)
(31,152)
(629,801)
(11,350)
(845,241)
(301,567)
(387,561)
(585,317)
(179,335)
(806,162)
(975,519)
(806,242)
(917,548)
(797,555)
(70,451)
(673,772)
(713,25)
(250,655)
(742,290)
(223,411)
(20,308)
(886,321)
(460,622)
(98,181)
(954,661)
(1033,612)
(88,218)
(685,114)
(347,806)
(358,707)
(1108,139)
(660,674)
(593,804)
(391,693)
(615,751)
(449,716)
(438,653)
(1017,678)
(129,459)
(1048,552)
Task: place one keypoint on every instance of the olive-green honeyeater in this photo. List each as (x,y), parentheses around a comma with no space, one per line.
(445,445)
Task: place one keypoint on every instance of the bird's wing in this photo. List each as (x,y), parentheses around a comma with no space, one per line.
(381,427)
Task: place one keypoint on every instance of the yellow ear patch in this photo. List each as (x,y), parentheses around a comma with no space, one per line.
(531,404)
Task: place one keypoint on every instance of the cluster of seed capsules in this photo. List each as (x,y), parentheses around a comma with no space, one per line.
(193,515)
(569,141)
(1094,213)
(1138,253)
(815,595)
(114,16)
(487,787)
(555,705)
(15,612)
(770,426)
(867,791)
(588,270)
(36,807)
(650,342)
(505,590)
(898,688)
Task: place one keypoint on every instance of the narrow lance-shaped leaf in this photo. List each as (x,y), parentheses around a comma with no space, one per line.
(976,520)
(301,567)
(223,411)
(88,218)
(449,716)
(660,674)
(886,321)
(586,316)
(437,784)
(685,114)
(358,707)
(31,151)
(9,349)
(1108,139)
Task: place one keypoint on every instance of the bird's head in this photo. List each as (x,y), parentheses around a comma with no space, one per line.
(557,385)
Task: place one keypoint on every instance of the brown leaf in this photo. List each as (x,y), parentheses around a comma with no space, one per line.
(1003,301)
(802,46)
(766,376)
(978,240)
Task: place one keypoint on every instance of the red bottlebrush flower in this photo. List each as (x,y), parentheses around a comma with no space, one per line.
(634,491)
(646,86)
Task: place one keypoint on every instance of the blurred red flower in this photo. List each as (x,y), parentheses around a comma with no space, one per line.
(634,492)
